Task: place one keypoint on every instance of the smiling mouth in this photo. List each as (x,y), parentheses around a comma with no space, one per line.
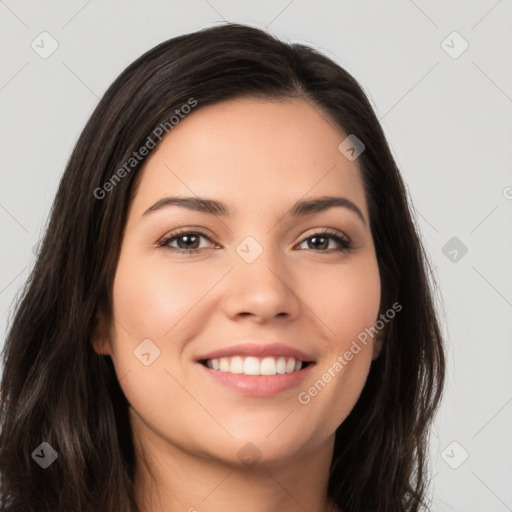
(256,365)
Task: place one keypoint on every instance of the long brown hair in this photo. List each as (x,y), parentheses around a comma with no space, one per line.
(56,389)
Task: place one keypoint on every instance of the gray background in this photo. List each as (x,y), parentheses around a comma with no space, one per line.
(447,120)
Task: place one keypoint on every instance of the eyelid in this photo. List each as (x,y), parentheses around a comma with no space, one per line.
(330,231)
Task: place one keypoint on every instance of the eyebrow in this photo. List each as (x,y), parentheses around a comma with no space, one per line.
(300,208)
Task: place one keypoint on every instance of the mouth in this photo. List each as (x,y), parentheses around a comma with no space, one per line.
(257,369)
(256,365)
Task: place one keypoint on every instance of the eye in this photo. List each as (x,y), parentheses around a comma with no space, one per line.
(187,241)
(321,240)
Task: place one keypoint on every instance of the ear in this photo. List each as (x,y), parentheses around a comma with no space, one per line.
(101,338)
(380,338)
(378,342)
(377,346)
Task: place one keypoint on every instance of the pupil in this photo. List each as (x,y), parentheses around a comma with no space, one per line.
(186,237)
(319,238)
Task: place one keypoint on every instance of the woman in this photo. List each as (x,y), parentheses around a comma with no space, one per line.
(231,306)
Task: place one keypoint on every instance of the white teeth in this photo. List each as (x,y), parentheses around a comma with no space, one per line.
(251,366)
(255,366)
(237,365)
(268,366)
(281,365)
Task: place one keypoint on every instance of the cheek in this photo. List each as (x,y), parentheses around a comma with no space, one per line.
(152,300)
(151,303)
(347,299)
(163,303)
(350,306)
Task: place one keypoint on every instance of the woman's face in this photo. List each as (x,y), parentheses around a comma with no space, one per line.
(260,289)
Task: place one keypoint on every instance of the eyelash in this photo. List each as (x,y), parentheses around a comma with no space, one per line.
(344,242)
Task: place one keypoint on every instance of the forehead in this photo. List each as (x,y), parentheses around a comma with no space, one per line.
(251,153)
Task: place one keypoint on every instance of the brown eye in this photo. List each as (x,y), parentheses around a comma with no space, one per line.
(322,239)
(187,241)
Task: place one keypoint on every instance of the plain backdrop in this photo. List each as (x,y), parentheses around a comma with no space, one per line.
(439,75)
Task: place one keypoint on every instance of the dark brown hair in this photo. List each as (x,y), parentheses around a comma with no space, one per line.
(55,388)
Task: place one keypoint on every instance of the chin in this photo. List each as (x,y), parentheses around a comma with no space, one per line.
(260,449)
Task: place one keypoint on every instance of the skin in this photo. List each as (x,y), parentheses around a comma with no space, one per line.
(259,157)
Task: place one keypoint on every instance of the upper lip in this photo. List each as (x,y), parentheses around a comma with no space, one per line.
(258,350)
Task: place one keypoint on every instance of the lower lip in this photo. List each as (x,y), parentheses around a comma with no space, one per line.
(259,385)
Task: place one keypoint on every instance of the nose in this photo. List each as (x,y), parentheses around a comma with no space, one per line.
(263,289)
